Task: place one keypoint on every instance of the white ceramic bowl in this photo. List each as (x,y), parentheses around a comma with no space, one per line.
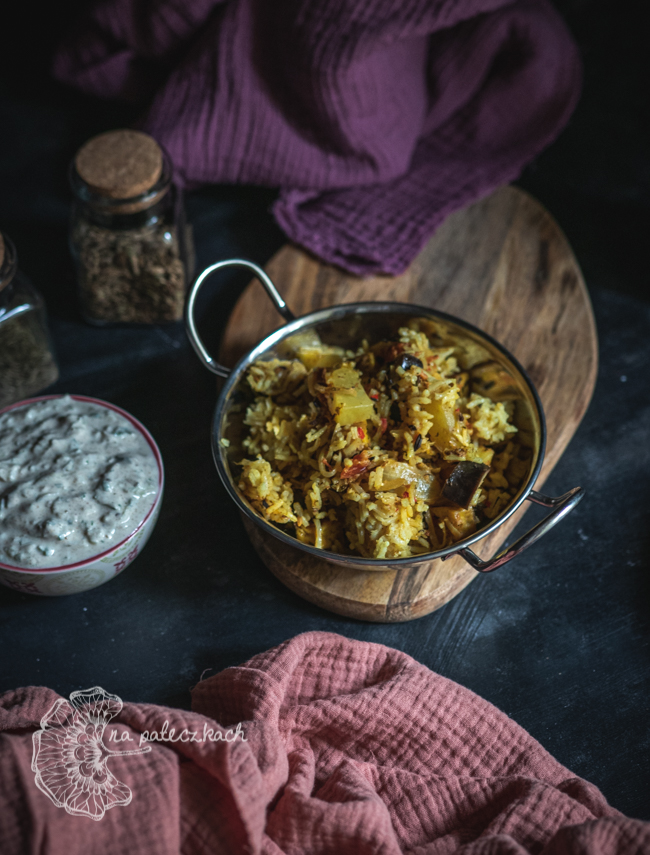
(100,568)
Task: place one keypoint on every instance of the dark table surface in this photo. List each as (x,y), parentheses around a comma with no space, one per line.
(559,639)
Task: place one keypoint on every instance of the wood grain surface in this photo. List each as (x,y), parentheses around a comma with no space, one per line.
(502,264)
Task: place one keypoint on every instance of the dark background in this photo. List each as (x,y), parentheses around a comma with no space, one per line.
(560,639)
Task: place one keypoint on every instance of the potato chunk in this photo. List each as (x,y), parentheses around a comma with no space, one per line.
(348,401)
(350,406)
(444,422)
(320,356)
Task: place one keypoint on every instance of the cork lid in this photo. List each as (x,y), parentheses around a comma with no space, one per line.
(120,164)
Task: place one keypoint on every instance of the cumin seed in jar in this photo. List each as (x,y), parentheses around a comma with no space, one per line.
(132,248)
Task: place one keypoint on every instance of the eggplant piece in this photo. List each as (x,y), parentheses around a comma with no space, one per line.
(463,481)
(408,360)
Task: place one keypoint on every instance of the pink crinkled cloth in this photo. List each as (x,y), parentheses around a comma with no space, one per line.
(349,747)
(376,118)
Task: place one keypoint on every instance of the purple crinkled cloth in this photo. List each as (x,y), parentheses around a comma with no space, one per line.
(375,118)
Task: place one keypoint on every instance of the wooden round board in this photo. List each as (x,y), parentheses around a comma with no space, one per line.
(502,264)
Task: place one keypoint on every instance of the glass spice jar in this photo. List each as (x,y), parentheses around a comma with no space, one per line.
(132,248)
(27,364)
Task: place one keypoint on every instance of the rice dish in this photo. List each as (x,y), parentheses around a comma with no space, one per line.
(396,449)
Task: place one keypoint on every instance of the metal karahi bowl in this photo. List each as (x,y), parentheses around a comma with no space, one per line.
(346,325)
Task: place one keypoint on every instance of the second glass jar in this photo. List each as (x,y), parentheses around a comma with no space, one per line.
(27,363)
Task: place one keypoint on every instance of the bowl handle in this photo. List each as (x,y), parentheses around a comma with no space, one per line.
(562,505)
(190,326)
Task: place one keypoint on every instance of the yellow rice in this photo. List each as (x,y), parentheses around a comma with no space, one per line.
(374,487)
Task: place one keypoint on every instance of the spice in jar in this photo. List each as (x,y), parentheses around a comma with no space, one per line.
(27,364)
(131,246)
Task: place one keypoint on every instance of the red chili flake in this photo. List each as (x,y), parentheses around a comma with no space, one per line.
(361,433)
(326,464)
(457,410)
(360,462)
(405,495)
(383,424)
(375,396)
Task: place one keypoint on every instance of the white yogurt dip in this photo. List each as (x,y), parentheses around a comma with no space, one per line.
(76,478)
